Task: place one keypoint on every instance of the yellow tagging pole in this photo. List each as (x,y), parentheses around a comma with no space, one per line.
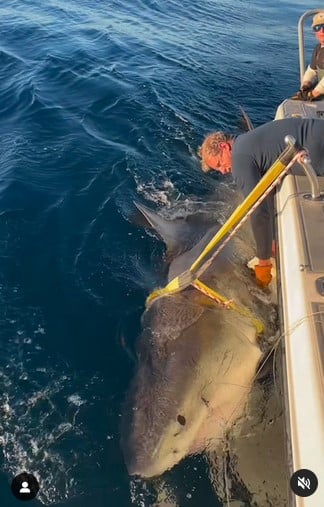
(271,177)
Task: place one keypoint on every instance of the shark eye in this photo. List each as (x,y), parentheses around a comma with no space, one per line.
(181,420)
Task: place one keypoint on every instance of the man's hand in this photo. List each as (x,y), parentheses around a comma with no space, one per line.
(312,95)
(307,95)
(307,86)
(263,275)
(300,95)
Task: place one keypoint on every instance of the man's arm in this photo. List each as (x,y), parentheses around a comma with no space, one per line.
(319,88)
(310,76)
(247,175)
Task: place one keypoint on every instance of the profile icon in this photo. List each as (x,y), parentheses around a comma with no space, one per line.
(25,486)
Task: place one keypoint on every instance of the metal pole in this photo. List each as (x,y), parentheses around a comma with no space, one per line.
(306,164)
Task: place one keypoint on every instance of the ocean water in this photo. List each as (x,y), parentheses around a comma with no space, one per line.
(103,103)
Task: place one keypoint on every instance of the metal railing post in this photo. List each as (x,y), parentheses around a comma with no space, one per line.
(306,164)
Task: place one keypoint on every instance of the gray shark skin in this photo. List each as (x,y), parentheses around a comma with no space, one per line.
(197,360)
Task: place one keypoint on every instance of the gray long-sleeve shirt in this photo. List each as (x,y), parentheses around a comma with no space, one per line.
(254,153)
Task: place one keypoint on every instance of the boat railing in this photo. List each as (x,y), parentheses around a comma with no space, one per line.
(306,164)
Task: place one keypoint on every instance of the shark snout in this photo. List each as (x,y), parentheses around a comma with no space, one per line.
(142,466)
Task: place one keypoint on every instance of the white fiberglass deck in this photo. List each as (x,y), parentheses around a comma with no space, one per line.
(300,227)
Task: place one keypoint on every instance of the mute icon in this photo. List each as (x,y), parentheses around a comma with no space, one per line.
(303,482)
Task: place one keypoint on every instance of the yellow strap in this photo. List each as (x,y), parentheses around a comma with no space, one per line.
(156,294)
(259,326)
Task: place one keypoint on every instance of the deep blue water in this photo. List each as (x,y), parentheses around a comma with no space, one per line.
(102,103)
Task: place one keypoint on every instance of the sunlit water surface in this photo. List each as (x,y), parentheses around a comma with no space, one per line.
(102,103)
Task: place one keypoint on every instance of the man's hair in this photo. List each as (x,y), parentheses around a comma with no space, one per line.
(210,145)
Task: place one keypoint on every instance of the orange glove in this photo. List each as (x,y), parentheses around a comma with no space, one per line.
(263,275)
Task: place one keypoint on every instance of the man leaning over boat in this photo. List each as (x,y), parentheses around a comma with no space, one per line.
(248,157)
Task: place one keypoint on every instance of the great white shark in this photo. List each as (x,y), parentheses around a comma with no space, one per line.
(197,359)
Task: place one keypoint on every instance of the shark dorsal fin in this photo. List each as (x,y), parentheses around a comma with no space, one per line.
(178,234)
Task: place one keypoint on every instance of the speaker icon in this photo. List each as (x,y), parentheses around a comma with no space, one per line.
(303,483)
